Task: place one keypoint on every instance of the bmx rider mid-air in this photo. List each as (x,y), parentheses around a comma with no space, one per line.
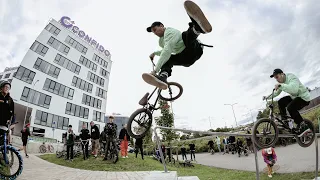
(179,49)
(300,97)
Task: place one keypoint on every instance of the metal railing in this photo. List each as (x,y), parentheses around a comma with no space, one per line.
(229,134)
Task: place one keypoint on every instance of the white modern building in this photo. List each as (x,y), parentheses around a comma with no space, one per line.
(62,80)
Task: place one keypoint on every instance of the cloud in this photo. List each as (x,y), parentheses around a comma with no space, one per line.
(250,39)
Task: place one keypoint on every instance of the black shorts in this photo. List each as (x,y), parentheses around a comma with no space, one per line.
(24,142)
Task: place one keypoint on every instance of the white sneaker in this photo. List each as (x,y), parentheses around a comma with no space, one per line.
(270,176)
(127,157)
(123,157)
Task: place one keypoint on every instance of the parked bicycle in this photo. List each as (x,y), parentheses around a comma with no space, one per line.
(8,154)
(270,132)
(43,148)
(144,114)
(84,144)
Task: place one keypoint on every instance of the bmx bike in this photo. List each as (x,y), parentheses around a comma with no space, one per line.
(7,169)
(112,153)
(269,132)
(84,144)
(144,114)
(43,148)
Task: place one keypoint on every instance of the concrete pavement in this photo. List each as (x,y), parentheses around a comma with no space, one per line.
(292,158)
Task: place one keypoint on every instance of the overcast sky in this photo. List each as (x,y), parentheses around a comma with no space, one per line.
(250,38)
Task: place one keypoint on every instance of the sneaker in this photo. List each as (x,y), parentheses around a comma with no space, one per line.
(123,157)
(127,157)
(303,128)
(155,80)
(270,176)
(199,20)
(27,156)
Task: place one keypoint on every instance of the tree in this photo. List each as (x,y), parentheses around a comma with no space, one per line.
(166,119)
(265,113)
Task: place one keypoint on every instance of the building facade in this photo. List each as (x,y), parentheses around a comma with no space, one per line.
(7,74)
(62,80)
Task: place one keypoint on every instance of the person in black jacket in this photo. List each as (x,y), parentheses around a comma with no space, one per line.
(111,133)
(184,152)
(69,141)
(192,151)
(95,136)
(25,133)
(138,145)
(85,137)
(6,103)
(124,138)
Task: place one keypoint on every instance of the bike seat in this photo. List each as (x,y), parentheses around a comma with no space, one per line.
(144,100)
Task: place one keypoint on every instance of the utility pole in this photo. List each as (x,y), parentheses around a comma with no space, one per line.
(234,115)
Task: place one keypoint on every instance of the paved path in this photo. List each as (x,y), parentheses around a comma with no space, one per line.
(38,169)
(292,158)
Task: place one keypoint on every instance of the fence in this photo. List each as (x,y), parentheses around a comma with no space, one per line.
(229,134)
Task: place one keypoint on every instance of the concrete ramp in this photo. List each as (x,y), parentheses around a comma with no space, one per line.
(171,175)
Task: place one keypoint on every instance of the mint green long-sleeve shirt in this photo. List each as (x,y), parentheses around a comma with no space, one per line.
(171,43)
(294,87)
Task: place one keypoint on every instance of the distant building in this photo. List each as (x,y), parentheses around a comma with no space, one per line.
(119,120)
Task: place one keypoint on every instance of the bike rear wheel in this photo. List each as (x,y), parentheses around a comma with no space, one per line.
(50,148)
(6,169)
(144,122)
(42,149)
(171,90)
(307,139)
(269,133)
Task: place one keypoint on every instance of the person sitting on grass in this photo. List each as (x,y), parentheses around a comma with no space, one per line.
(270,158)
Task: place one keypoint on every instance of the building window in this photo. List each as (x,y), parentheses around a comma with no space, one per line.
(78,111)
(25,74)
(46,68)
(95,78)
(91,101)
(98,116)
(66,63)
(35,97)
(81,123)
(75,44)
(101,61)
(7,75)
(39,48)
(53,42)
(1,76)
(10,80)
(58,89)
(104,73)
(82,84)
(50,120)
(53,29)
(89,64)
(101,93)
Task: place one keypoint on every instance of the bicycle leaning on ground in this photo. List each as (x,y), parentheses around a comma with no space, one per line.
(6,163)
(145,113)
(269,133)
(84,144)
(43,148)
(112,153)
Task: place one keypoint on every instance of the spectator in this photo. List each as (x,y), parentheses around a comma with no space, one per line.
(225,145)
(95,136)
(124,138)
(103,141)
(138,145)
(163,149)
(249,142)
(218,143)
(111,133)
(85,136)
(192,151)
(239,146)
(25,133)
(169,152)
(211,145)
(183,152)
(6,104)
(70,137)
(270,158)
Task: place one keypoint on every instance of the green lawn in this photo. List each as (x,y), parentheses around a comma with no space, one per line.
(203,172)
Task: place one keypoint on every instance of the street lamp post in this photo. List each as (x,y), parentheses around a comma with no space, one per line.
(210,122)
(234,115)
(25,115)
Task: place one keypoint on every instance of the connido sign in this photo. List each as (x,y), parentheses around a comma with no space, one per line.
(66,22)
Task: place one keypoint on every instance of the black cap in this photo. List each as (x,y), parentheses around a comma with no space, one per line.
(157,23)
(275,72)
(70,126)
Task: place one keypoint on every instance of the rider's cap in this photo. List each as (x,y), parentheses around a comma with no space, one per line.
(157,23)
(275,72)
(70,126)
(269,150)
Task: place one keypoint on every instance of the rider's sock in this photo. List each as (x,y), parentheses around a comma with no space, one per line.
(163,76)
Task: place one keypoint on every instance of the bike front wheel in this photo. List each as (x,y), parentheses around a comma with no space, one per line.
(143,118)
(307,139)
(8,169)
(42,149)
(174,90)
(265,133)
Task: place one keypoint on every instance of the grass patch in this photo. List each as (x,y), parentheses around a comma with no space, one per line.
(137,164)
